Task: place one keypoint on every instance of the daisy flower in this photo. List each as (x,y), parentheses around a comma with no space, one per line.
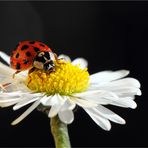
(69,85)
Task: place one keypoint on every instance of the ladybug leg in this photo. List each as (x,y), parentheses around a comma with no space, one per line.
(55,56)
(31,70)
(2,86)
(15,73)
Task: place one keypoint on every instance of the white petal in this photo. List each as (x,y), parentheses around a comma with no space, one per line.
(65,57)
(98,96)
(55,108)
(68,106)
(118,90)
(106,76)
(53,100)
(83,63)
(126,102)
(127,82)
(106,97)
(99,120)
(45,100)
(3,100)
(98,93)
(83,102)
(23,88)
(7,104)
(14,84)
(118,84)
(128,91)
(108,114)
(9,87)
(26,113)
(5,70)
(10,94)
(24,102)
(23,73)
(66,116)
(5,57)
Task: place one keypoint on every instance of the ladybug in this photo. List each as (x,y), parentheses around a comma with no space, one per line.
(29,54)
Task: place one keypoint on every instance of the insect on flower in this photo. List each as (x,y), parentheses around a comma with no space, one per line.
(70,85)
(32,54)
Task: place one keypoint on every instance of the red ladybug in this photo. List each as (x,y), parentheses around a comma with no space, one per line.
(23,56)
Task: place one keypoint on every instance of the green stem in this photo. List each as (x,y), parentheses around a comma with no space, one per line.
(60,133)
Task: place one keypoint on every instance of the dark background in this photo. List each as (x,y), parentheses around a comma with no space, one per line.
(110,35)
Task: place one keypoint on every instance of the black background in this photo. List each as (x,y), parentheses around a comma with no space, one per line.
(110,35)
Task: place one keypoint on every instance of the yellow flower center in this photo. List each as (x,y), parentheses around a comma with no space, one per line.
(65,80)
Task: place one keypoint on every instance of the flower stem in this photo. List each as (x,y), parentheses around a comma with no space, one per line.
(60,133)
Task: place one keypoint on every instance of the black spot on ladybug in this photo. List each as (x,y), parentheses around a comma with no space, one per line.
(25,61)
(28,54)
(42,45)
(32,42)
(17,55)
(18,66)
(36,49)
(24,47)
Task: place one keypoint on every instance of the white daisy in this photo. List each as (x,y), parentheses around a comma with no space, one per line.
(68,86)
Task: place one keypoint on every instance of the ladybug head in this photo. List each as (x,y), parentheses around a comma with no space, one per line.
(44,60)
(49,65)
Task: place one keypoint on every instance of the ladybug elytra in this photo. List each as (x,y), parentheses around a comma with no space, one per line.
(30,54)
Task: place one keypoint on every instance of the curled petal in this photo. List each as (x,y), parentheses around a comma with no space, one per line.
(83,63)
(66,116)
(56,107)
(68,106)
(65,57)
(54,110)
(47,100)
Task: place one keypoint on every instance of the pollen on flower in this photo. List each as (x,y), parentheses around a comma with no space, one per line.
(65,80)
